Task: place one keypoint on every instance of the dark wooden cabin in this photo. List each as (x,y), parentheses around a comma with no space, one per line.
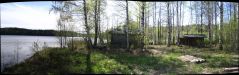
(118,38)
(196,40)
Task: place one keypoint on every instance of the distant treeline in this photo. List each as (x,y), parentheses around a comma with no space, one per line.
(22,31)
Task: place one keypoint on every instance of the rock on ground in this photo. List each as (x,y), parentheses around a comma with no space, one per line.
(154,51)
(192,59)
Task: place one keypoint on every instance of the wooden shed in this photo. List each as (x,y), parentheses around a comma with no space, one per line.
(119,40)
(196,40)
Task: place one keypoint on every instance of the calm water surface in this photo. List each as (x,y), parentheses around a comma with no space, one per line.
(15,48)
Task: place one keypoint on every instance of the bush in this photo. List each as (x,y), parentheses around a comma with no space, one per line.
(135,41)
(35,46)
(77,44)
(206,41)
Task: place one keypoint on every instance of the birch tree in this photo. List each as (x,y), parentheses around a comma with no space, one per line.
(89,43)
(221,26)
(178,30)
(127,25)
(169,25)
(96,22)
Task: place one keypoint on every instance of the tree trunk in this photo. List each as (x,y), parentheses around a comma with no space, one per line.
(216,26)
(196,16)
(127,25)
(181,16)
(209,23)
(159,25)
(201,17)
(173,35)
(221,26)
(235,19)
(96,24)
(230,25)
(169,25)
(238,26)
(142,23)
(89,44)
(72,42)
(64,30)
(212,19)
(99,23)
(154,23)
(177,25)
(147,26)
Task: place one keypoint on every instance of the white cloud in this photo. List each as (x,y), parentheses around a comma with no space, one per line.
(26,16)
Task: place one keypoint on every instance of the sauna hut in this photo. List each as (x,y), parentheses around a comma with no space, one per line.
(196,40)
(118,38)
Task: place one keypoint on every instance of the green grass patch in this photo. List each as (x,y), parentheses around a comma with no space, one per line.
(58,61)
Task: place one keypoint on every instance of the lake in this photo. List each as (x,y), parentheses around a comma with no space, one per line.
(17,48)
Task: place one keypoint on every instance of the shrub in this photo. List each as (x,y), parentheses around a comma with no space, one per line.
(206,41)
(77,44)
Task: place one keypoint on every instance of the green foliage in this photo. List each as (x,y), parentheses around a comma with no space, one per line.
(44,62)
(142,64)
(206,41)
(133,25)
(110,66)
(135,41)
(221,60)
(77,44)
(230,33)
(56,61)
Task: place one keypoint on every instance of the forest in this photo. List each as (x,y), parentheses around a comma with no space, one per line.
(217,21)
(23,31)
(141,37)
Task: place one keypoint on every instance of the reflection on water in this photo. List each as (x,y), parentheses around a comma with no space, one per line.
(15,48)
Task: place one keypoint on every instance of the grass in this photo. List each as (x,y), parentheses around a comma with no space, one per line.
(58,61)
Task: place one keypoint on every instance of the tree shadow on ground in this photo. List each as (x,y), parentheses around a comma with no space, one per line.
(146,63)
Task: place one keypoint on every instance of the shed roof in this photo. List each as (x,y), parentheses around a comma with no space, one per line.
(138,31)
(194,36)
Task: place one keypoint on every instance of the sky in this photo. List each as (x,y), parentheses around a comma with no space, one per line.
(31,15)
(35,15)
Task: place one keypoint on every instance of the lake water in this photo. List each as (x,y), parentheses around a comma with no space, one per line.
(15,48)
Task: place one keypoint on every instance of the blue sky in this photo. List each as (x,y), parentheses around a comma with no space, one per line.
(32,15)
(35,15)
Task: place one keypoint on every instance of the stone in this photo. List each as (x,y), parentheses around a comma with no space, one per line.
(154,51)
(192,59)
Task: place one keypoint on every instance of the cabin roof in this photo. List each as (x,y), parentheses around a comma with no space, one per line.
(115,31)
(194,36)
